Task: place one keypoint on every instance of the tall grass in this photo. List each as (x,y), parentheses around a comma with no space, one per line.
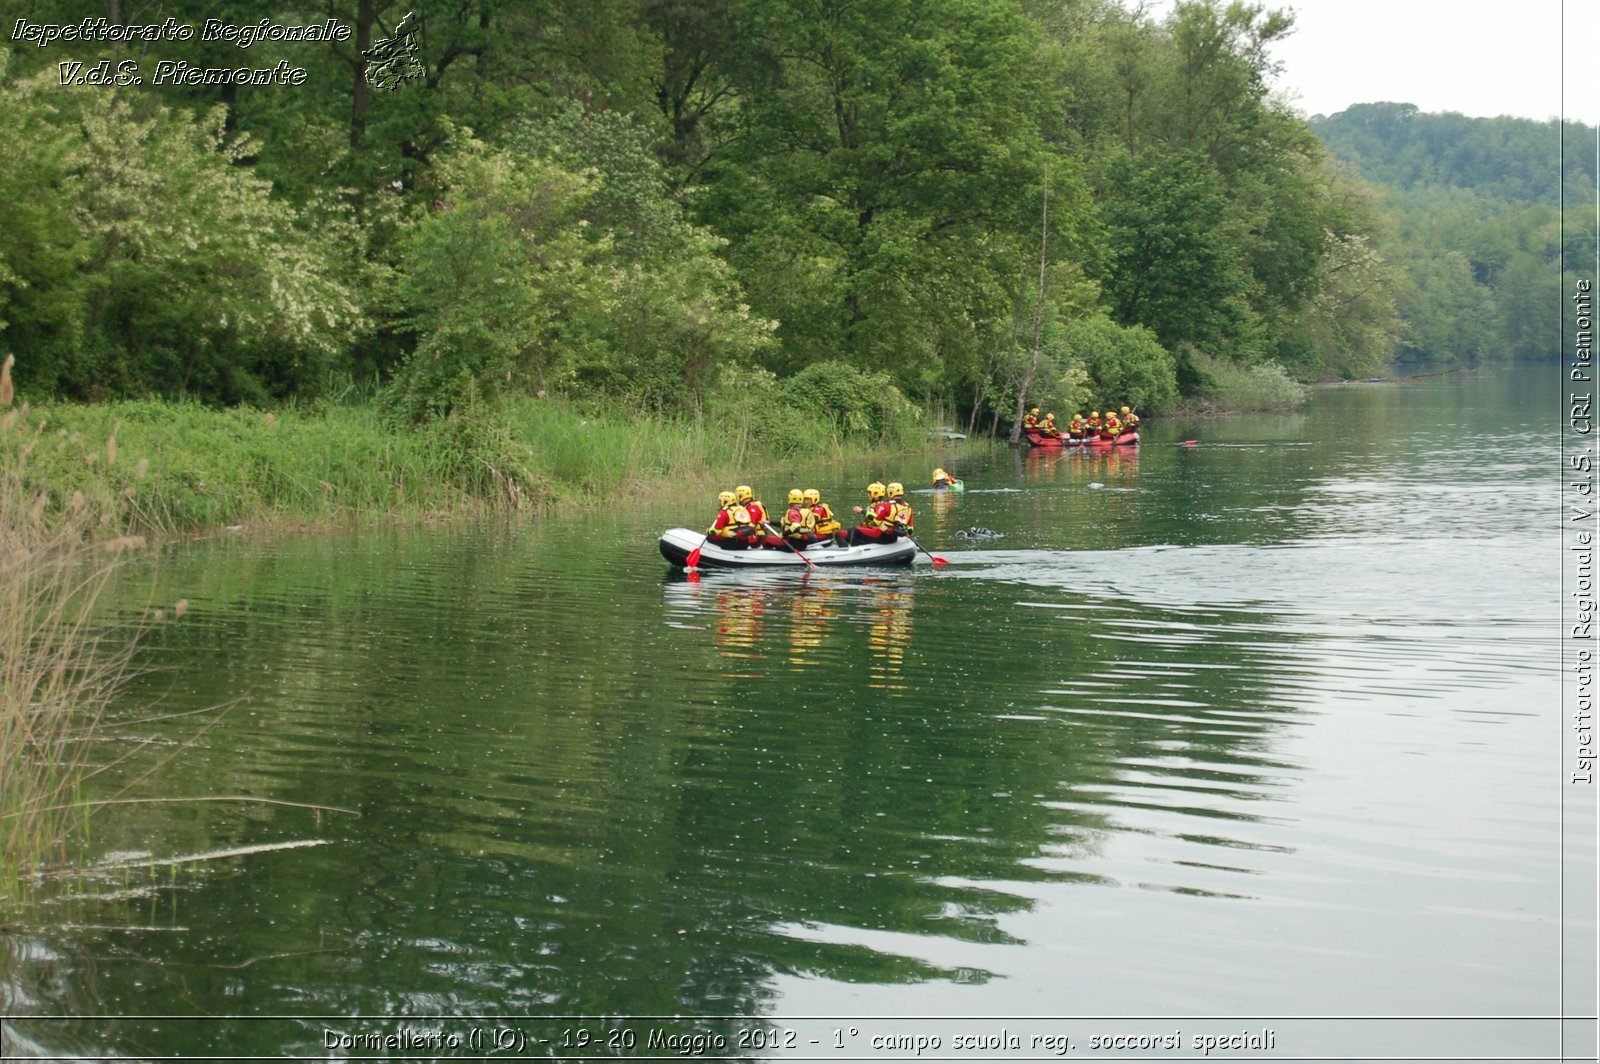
(202,469)
(56,673)
(587,457)
(213,468)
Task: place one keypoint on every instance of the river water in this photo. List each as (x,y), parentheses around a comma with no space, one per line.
(1257,739)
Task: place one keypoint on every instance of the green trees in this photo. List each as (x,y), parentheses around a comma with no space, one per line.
(871,172)
(1171,267)
(1223,220)
(1515,160)
(1352,322)
(491,280)
(1124,365)
(621,199)
(147,260)
(532,276)
(42,305)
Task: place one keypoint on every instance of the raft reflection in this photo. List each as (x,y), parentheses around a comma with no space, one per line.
(804,619)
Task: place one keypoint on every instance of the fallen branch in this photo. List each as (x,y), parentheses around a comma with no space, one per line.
(205,798)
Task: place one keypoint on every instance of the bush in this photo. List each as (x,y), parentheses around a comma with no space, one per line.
(139,256)
(1125,364)
(1229,387)
(864,406)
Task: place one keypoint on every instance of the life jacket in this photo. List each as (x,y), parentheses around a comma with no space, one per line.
(1113,424)
(758,513)
(1030,422)
(1049,424)
(880,515)
(821,520)
(731,523)
(1093,423)
(794,521)
(1075,426)
(902,512)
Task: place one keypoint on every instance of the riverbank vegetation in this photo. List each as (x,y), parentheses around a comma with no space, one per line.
(627,204)
(325,462)
(658,217)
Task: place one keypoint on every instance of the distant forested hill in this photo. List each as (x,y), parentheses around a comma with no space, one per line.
(1478,227)
(1515,159)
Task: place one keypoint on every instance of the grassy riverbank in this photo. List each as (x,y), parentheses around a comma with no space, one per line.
(162,468)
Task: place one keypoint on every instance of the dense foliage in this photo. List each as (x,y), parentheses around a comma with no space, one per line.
(654,203)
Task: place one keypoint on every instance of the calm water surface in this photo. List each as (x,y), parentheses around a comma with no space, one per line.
(1264,727)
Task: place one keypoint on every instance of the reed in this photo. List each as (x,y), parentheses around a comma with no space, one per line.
(57,673)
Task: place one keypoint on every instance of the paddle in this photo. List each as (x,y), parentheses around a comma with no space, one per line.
(694,556)
(938,562)
(798,553)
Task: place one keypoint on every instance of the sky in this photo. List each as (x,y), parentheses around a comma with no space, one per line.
(1481,58)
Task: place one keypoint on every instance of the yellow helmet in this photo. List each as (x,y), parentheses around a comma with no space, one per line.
(796,497)
(813,496)
(1094,413)
(939,474)
(896,489)
(1077,417)
(743,493)
(875,490)
(1125,410)
(1051,416)
(725,498)
(1035,410)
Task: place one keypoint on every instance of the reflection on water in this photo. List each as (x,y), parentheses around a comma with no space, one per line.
(942,504)
(888,635)
(1236,728)
(791,616)
(811,613)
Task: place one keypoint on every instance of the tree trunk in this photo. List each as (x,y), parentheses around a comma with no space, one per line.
(365,17)
(1038,315)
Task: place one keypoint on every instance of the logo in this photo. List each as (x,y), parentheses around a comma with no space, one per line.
(394,60)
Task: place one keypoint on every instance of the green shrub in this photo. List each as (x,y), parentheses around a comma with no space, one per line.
(1125,364)
(1228,386)
(863,406)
